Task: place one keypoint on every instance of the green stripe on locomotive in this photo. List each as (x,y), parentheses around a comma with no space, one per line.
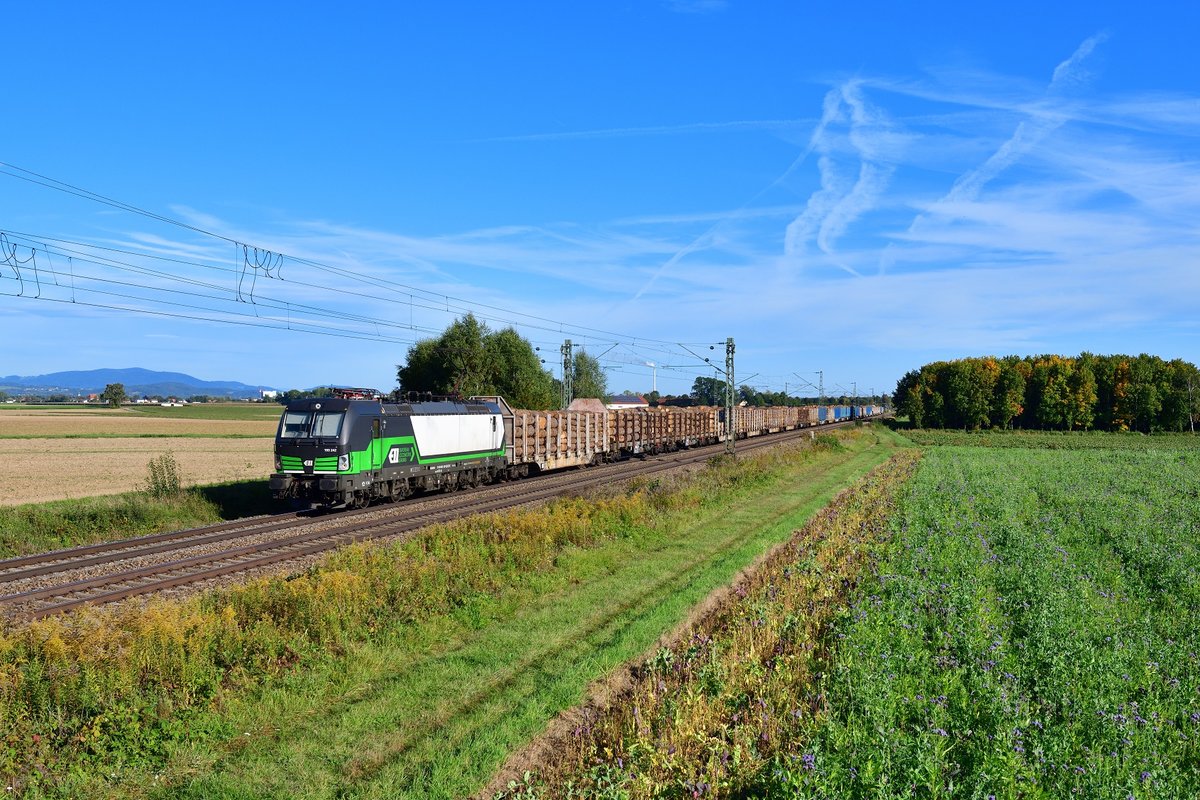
(407,453)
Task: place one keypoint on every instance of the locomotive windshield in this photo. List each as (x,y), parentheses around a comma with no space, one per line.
(311,424)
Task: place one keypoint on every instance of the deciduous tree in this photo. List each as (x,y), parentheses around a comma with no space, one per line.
(587,377)
(114,394)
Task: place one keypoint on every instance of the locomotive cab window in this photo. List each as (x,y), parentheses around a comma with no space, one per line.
(375,429)
(311,424)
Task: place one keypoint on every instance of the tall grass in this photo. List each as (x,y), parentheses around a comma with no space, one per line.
(66,523)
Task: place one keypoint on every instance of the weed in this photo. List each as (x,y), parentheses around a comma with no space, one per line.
(163,476)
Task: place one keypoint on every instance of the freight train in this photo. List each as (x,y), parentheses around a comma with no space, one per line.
(353,450)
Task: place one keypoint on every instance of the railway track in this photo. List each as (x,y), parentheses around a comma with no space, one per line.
(36,586)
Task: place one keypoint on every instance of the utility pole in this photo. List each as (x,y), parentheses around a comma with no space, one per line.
(568,364)
(821,395)
(729,395)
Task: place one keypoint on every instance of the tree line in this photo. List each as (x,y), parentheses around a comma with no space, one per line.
(1050,392)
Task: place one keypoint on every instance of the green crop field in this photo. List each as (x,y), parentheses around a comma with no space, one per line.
(233,411)
(1034,632)
(1055,440)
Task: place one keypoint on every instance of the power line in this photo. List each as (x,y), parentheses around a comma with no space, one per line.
(559,326)
(252,263)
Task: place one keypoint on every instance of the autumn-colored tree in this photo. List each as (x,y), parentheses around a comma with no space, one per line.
(1009,395)
(1113,392)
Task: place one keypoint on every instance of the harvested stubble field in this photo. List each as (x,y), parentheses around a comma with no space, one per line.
(86,452)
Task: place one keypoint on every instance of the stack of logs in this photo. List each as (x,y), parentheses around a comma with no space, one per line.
(562,438)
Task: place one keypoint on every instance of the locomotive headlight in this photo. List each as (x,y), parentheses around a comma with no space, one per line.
(344,462)
(278,463)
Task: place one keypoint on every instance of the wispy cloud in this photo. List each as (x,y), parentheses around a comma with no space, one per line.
(1041,120)
(857,146)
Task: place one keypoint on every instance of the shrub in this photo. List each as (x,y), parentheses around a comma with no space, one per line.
(163,476)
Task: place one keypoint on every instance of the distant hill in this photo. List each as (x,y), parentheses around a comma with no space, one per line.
(136,381)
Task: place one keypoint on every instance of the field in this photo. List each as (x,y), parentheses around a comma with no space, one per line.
(77,452)
(1014,620)
(1032,630)
(1055,440)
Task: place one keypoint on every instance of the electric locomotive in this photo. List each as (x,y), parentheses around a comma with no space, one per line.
(339,451)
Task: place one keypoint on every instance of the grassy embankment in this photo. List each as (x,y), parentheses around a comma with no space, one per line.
(1031,630)
(39,527)
(409,670)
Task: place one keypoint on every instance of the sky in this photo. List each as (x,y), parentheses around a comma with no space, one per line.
(291,194)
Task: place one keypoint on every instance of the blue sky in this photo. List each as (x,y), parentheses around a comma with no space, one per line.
(289,194)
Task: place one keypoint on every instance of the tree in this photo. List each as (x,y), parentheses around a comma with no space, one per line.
(468,359)
(970,384)
(909,402)
(588,378)
(114,394)
(454,363)
(709,391)
(1009,398)
(516,372)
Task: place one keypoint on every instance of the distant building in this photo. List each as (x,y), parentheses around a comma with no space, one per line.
(268,394)
(619,401)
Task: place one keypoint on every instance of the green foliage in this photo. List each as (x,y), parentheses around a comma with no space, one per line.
(114,394)
(301,394)
(516,372)
(1053,393)
(162,476)
(468,359)
(708,391)
(587,377)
